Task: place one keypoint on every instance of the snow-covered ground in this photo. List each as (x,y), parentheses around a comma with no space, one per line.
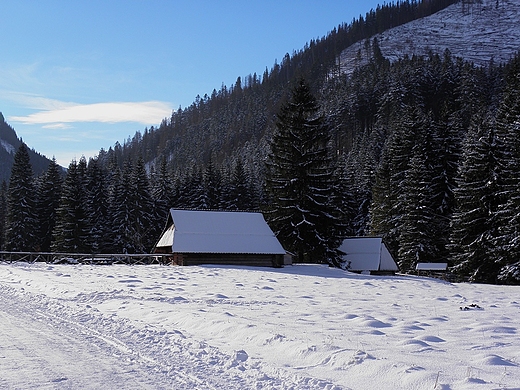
(214,327)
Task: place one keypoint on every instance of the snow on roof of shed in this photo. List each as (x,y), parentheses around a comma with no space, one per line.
(431,266)
(367,254)
(201,231)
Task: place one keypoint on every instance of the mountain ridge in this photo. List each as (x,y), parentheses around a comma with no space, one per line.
(9,144)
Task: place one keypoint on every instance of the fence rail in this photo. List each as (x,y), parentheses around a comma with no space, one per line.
(84,258)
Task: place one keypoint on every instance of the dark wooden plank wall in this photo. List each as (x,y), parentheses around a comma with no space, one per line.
(257,260)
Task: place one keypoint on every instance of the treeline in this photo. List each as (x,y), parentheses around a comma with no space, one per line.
(98,207)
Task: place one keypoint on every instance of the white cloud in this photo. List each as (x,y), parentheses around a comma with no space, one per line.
(151,112)
(61,126)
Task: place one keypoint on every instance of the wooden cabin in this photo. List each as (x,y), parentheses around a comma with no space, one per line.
(195,237)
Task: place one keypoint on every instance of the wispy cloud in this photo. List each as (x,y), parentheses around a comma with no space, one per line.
(114,112)
(61,126)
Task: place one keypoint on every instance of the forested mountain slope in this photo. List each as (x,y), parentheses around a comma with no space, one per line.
(9,143)
(404,131)
(237,121)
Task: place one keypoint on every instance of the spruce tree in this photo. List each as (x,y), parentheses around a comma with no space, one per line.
(388,192)
(143,223)
(508,145)
(383,201)
(97,206)
(72,227)
(473,226)
(418,233)
(300,181)
(121,210)
(239,190)
(193,190)
(3,210)
(49,195)
(131,209)
(183,189)
(442,156)
(212,181)
(356,181)
(21,217)
(162,192)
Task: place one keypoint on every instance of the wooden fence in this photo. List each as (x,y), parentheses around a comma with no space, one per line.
(84,258)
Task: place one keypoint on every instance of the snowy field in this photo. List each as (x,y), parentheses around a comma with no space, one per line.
(211,327)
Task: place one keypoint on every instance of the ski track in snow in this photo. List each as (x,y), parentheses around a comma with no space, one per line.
(215,327)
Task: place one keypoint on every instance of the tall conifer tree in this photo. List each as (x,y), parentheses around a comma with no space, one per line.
(212,181)
(49,195)
(474,226)
(3,210)
(300,181)
(142,219)
(162,191)
(97,206)
(72,228)
(20,227)
(508,140)
(418,231)
(239,192)
(121,209)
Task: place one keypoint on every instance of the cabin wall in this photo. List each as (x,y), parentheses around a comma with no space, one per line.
(257,260)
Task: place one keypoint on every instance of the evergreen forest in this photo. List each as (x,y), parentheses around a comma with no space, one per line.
(423,151)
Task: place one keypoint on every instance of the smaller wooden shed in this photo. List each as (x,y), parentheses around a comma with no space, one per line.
(368,255)
(195,237)
(432,269)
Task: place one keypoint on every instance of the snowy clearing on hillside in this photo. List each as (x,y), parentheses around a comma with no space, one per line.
(215,327)
(483,31)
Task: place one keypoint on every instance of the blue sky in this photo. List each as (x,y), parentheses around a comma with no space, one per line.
(77,76)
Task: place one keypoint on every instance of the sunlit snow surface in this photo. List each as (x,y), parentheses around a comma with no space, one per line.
(477,33)
(214,327)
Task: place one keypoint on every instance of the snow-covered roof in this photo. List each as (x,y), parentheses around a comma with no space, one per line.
(431,266)
(367,254)
(196,231)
